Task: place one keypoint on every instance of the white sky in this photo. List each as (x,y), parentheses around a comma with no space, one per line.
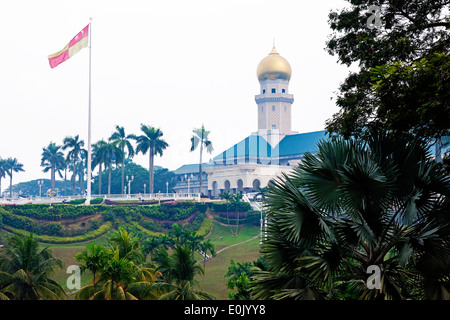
(170,64)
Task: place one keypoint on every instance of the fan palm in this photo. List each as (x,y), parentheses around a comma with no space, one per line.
(151,141)
(75,146)
(200,139)
(53,160)
(25,271)
(354,204)
(12,165)
(121,140)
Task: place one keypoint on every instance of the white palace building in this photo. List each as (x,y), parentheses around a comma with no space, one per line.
(257,159)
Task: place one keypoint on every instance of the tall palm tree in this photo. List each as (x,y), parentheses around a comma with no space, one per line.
(151,141)
(99,157)
(122,141)
(201,139)
(178,271)
(112,154)
(75,146)
(2,173)
(53,160)
(12,165)
(355,204)
(25,271)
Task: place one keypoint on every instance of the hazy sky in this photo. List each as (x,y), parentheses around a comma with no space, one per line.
(169,64)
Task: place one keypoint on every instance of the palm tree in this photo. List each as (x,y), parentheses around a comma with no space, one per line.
(53,160)
(12,165)
(151,141)
(92,259)
(25,271)
(200,138)
(2,173)
(111,154)
(121,276)
(121,140)
(76,148)
(356,204)
(179,270)
(99,157)
(127,245)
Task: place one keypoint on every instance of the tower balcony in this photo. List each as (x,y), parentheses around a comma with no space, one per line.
(274,97)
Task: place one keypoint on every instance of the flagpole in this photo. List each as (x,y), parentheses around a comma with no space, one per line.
(88,197)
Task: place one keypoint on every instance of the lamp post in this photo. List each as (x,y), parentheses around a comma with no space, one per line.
(40,184)
(188,180)
(144,188)
(129,182)
(167,188)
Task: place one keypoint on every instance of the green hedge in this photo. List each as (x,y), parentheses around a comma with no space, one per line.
(204,228)
(55,212)
(64,240)
(227,207)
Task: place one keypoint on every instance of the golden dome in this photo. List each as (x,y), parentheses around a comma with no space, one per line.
(274,67)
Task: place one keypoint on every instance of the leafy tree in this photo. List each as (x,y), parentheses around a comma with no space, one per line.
(402,82)
(239,278)
(122,141)
(25,271)
(200,139)
(53,160)
(152,142)
(12,165)
(354,204)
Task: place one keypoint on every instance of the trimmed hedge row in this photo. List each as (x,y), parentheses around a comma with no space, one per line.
(228,207)
(104,228)
(55,212)
(204,228)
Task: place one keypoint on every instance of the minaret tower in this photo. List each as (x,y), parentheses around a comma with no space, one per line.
(274,101)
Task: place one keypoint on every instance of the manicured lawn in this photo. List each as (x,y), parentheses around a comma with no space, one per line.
(214,281)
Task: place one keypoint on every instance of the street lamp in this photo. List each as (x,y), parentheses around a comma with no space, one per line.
(167,188)
(188,180)
(129,182)
(40,184)
(144,188)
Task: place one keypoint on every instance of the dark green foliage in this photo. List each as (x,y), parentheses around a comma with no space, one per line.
(402,83)
(354,204)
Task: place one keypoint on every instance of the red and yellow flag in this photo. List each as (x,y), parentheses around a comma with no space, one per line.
(79,42)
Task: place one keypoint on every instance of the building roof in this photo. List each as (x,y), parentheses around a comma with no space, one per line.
(298,144)
(191,168)
(254,148)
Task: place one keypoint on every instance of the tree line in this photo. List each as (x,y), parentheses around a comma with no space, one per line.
(118,149)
